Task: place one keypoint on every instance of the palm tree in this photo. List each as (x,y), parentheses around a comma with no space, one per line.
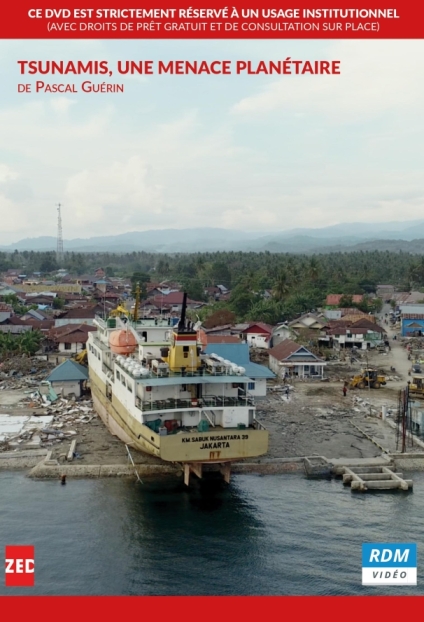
(281,287)
(314,269)
(30,342)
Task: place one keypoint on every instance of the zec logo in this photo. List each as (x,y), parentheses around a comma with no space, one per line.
(19,566)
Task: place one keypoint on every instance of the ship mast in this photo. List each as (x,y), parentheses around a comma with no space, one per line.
(137,302)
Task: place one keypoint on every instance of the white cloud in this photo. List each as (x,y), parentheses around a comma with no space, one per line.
(115,194)
(376,76)
(6,173)
(168,152)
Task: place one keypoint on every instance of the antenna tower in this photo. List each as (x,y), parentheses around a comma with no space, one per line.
(59,248)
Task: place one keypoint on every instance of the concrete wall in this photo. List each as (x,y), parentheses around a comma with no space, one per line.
(260,388)
(280,335)
(75,348)
(274,365)
(299,369)
(66,387)
(407,329)
(257,341)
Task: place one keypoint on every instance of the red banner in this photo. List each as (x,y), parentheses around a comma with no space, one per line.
(38,19)
(210,607)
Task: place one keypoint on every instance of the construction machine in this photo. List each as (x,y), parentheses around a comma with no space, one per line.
(120,310)
(416,386)
(368,378)
(81,357)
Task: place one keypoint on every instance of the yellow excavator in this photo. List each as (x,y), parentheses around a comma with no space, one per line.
(416,386)
(367,378)
(81,357)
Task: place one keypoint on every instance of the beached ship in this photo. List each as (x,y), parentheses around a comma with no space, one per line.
(154,388)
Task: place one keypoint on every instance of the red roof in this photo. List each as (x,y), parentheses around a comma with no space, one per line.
(79,313)
(174,298)
(71,333)
(333,300)
(259,328)
(43,325)
(288,347)
(284,349)
(365,323)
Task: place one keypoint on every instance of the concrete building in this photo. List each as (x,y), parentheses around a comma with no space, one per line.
(280,333)
(310,321)
(77,316)
(257,334)
(291,359)
(69,377)
(238,353)
(70,339)
(412,320)
(385,292)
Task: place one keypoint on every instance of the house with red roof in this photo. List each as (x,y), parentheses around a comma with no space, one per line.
(71,338)
(257,334)
(291,359)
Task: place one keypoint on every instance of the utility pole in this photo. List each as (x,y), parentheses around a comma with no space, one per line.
(59,246)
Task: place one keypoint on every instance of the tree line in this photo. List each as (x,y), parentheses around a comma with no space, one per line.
(264,286)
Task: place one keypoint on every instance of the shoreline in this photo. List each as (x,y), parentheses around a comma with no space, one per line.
(43,467)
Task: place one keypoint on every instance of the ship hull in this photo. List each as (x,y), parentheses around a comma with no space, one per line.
(216,445)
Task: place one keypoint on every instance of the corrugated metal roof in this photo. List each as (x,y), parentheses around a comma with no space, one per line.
(68,371)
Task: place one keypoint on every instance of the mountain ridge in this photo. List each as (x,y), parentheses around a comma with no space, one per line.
(342,236)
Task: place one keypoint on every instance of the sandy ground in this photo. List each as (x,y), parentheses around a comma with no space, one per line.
(316,419)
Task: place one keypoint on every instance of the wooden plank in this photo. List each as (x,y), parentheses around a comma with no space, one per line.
(71,451)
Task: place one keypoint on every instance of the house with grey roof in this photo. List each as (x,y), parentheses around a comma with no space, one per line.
(69,377)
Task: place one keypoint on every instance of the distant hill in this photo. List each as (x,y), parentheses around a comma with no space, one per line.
(396,236)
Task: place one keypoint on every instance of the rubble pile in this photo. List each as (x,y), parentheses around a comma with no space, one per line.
(24,365)
(49,424)
(21,373)
(17,382)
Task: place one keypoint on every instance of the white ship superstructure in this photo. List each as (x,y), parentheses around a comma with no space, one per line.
(157,392)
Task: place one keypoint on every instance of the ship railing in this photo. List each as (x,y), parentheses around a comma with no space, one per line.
(258,425)
(197,373)
(100,321)
(182,404)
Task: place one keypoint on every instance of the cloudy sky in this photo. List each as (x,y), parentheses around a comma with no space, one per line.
(244,152)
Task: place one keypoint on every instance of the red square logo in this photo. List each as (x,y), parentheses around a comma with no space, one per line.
(19,566)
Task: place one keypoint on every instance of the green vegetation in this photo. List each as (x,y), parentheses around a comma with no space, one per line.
(264,286)
(27,343)
(17,306)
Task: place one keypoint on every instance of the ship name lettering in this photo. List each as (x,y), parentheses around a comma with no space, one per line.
(210,439)
(214,445)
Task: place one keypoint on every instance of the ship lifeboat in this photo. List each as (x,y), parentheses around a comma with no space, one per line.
(122,342)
